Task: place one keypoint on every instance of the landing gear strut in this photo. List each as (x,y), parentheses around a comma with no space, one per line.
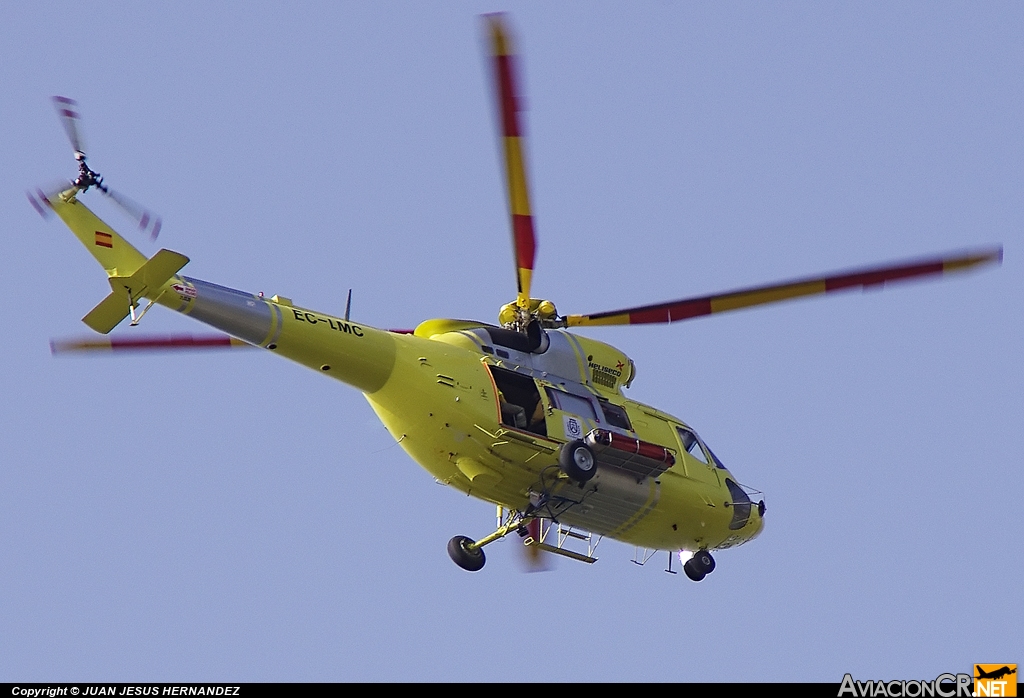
(469,555)
(699,566)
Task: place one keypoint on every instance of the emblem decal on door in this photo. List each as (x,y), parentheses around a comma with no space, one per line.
(573,427)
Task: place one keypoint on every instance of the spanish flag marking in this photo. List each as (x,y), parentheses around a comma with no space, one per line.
(104,239)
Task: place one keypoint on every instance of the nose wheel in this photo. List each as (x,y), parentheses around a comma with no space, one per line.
(699,566)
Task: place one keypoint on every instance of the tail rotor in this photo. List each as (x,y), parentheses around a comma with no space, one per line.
(67,111)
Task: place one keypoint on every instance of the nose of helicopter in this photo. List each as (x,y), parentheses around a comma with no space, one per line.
(756,521)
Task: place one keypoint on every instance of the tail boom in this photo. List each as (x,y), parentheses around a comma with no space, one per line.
(356,354)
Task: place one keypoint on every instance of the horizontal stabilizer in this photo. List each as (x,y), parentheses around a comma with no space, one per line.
(109,313)
(127,290)
(154,273)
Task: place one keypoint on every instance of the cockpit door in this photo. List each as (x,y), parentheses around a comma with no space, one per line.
(519,402)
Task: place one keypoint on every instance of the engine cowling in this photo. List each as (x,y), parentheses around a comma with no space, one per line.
(608,368)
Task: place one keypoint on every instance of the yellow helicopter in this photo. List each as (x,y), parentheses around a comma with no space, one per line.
(524,414)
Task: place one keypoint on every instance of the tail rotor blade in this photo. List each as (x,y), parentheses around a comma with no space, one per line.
(67,110)
(39,203)
(148,222)
(40,197)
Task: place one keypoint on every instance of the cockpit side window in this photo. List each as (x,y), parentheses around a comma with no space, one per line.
(615,415)
(691,444)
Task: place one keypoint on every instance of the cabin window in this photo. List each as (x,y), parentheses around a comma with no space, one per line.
(615,415)
(574,404)
(519,401)
(691,444)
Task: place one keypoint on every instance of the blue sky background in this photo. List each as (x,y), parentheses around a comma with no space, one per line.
(233,517)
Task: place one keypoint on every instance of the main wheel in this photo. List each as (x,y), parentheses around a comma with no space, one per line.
(703,561)
(469,559)
(692,571)
(577,461)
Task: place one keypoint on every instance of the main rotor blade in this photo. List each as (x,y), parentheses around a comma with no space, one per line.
(509,107)
(67,110)
(687,308)
(148,343)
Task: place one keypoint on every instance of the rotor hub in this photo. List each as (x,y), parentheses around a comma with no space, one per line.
(513,316)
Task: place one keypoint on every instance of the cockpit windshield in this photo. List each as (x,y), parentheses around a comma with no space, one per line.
(696,448)
(714,457)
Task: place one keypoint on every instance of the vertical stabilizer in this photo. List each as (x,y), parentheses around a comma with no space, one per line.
(112,251)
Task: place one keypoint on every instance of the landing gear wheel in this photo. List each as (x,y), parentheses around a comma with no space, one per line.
(471,560)
(703,561)
(577,461)
(692,571)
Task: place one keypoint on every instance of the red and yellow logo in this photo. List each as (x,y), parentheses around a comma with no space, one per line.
(995,680)
(104,239)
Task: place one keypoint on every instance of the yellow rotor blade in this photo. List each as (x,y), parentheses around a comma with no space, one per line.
(509,107)
(687,308)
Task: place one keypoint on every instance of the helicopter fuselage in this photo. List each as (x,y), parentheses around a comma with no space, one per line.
(489,419)
(477,409)
(527,415)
